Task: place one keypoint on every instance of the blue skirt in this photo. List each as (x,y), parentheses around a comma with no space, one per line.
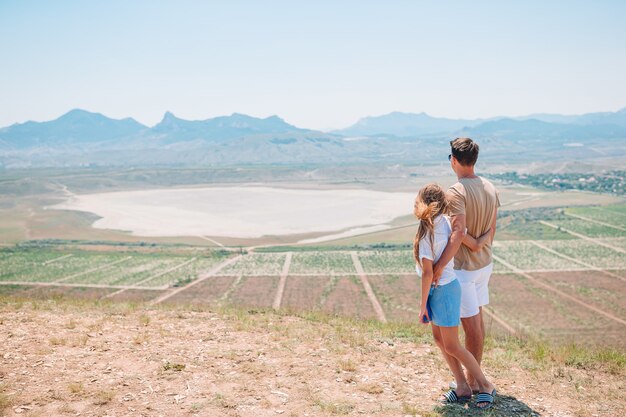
(444,304)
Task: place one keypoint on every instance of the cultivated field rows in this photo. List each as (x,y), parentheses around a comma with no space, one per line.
(257,264)
(321,282)
(534,310)
(157,270)
(590,253)
(322,263)
(618,242)
(184,271)
(101,268)
(127,271)
(601,214)
(526,256)
(589,228)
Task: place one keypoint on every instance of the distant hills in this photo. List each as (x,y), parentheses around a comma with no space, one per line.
(541,130)
(405,124)
(617,118)
(76,126)
(172,129)
(411,124)
(80,137)
(83,127)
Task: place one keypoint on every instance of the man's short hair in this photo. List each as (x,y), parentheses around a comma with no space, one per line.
(465,151)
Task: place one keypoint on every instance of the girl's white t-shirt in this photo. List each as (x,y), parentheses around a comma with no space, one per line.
(443,230)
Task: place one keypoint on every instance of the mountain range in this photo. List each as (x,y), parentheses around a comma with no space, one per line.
(80,137)
(410,124)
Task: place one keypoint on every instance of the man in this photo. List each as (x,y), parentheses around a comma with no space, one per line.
(473,205)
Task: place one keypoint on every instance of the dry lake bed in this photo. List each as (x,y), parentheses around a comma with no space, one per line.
(243,211)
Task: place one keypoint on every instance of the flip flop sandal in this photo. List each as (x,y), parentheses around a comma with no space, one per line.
(452,397)
(485,397)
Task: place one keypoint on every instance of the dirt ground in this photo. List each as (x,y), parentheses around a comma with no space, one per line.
(84,359)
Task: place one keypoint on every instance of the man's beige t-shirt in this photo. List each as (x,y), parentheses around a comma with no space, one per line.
(478,199)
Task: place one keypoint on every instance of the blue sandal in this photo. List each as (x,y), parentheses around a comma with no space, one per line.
(452,397)
(485,397)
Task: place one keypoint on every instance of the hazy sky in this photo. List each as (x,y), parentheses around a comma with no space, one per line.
(318,64)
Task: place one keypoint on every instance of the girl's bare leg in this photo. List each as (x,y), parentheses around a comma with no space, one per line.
(452,345)
(462,387)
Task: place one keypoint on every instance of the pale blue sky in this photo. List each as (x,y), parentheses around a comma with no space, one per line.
(317,64)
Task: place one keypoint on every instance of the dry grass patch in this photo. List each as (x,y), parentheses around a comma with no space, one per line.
(70,325)
(196,407)
(371,388)
(335,408)
(103,397)
(57,341)
(5,400)
(79,341)
(222,401)
(96,326)
(167,366)
(539,355)
(76,387)
(253,368)
(141,338)
(67,409)
(351,336)
(347,365)
(144,320)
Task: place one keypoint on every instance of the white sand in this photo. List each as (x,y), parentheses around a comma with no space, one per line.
(242,212)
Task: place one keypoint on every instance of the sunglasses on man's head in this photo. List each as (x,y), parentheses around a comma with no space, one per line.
(450,157)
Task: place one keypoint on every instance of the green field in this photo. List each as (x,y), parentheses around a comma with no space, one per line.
(613,215)
(526,256)
(388,262)
(322,263)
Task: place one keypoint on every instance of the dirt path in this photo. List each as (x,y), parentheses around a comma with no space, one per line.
(587,219)
(500,321)
(283,280)
(579,262)
(167,271)
(57,259)
(28,235)
(215,242)
(520,201)
(368,288)
(581,236)
(63,188)
(201,278)
(89,271)
(539,283)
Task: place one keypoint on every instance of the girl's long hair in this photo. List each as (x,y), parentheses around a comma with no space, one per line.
(429,203)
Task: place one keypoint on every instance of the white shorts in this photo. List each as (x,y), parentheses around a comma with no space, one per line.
(474,291)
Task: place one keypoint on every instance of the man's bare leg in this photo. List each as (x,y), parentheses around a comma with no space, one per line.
(474,328)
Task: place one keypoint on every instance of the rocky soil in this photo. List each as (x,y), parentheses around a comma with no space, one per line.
(79,359)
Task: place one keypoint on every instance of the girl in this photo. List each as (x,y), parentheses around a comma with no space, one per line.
(442,304)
